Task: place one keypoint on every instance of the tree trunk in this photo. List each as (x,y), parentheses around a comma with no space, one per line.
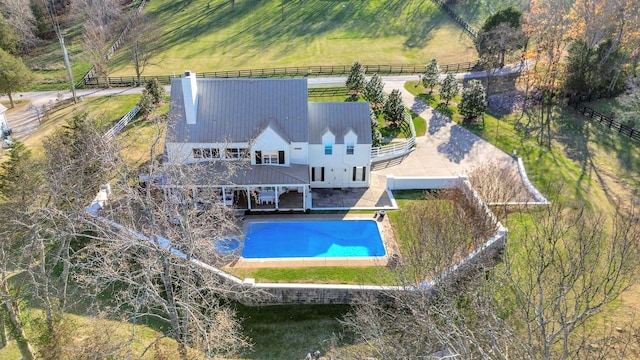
(10,99)
(3,332)
(136,63)
(173,312)
(48,306)
(12,309)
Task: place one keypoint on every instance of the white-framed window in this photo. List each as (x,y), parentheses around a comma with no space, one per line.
(317,174)
(206,153)
(270,157)
(236,153)
(359,173)
(350,149)
(233,153)
(328,149)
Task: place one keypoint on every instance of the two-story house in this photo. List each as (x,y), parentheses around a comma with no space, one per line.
(289,144)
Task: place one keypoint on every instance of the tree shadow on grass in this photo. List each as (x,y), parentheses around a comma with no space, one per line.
(293,24)
(444,109)
(426,97)
(390,132)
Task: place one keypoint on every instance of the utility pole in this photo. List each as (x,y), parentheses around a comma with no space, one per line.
(65,54)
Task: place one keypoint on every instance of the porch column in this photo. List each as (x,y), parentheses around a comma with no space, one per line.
(248,198)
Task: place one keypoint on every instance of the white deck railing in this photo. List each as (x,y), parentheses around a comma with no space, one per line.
(394,150)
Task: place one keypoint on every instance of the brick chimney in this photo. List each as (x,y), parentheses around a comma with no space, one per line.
(190,94)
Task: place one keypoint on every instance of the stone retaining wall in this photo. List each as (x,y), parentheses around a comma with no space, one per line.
(252,293)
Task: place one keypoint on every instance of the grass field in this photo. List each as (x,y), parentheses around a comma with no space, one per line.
(324,275)
(203,35)
(105,110)
(588,163)
(289,332)
(476,12)
(582,156)
(47,61)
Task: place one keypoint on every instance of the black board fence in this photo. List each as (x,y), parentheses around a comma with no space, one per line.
(471,32)
(608,121)
(116,44)
(283,72)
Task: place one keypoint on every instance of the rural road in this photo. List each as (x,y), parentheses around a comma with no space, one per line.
(24,119)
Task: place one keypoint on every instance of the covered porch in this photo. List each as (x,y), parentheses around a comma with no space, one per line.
(253,188)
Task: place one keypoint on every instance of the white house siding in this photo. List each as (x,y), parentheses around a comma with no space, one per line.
(4,125)
(270,141)
(299,153)
(338,167)
(182,153)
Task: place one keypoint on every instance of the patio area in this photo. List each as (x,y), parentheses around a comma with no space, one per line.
(384,226)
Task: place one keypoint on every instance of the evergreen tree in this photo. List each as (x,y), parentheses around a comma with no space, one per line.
(18,178)
(449,88)
(146,104)
(376,136)
(14,75)
(473,102)
(374,91)
(356,81)
(500,34)
(155,90)
(431,75)
(393,110)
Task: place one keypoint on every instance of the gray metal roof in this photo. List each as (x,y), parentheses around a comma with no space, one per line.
(238,109)
(2,108)
(216,173)
(339,117)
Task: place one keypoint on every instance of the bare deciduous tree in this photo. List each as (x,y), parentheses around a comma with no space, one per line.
(440,232)
(570,265)
(10,263)
(144,38)
(563,266)
(456,320)
(152,263)
(102,20)
(498,184)
(18,14)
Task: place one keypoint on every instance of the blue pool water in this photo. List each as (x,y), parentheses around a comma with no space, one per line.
(312,239)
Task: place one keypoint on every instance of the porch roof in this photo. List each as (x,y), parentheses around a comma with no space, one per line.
(213,175)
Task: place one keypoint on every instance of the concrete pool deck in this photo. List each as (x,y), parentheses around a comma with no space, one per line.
(384,226)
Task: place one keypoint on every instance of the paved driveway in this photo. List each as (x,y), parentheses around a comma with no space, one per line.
(447,149)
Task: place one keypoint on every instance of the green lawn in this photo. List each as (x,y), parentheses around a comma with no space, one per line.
(476,12)
(106,110)
(47,62)
(624,109)
(570,159)
(324,275)
(290,331)
(204,35)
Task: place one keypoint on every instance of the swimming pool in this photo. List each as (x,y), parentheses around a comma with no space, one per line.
(227,245)
(313,239)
